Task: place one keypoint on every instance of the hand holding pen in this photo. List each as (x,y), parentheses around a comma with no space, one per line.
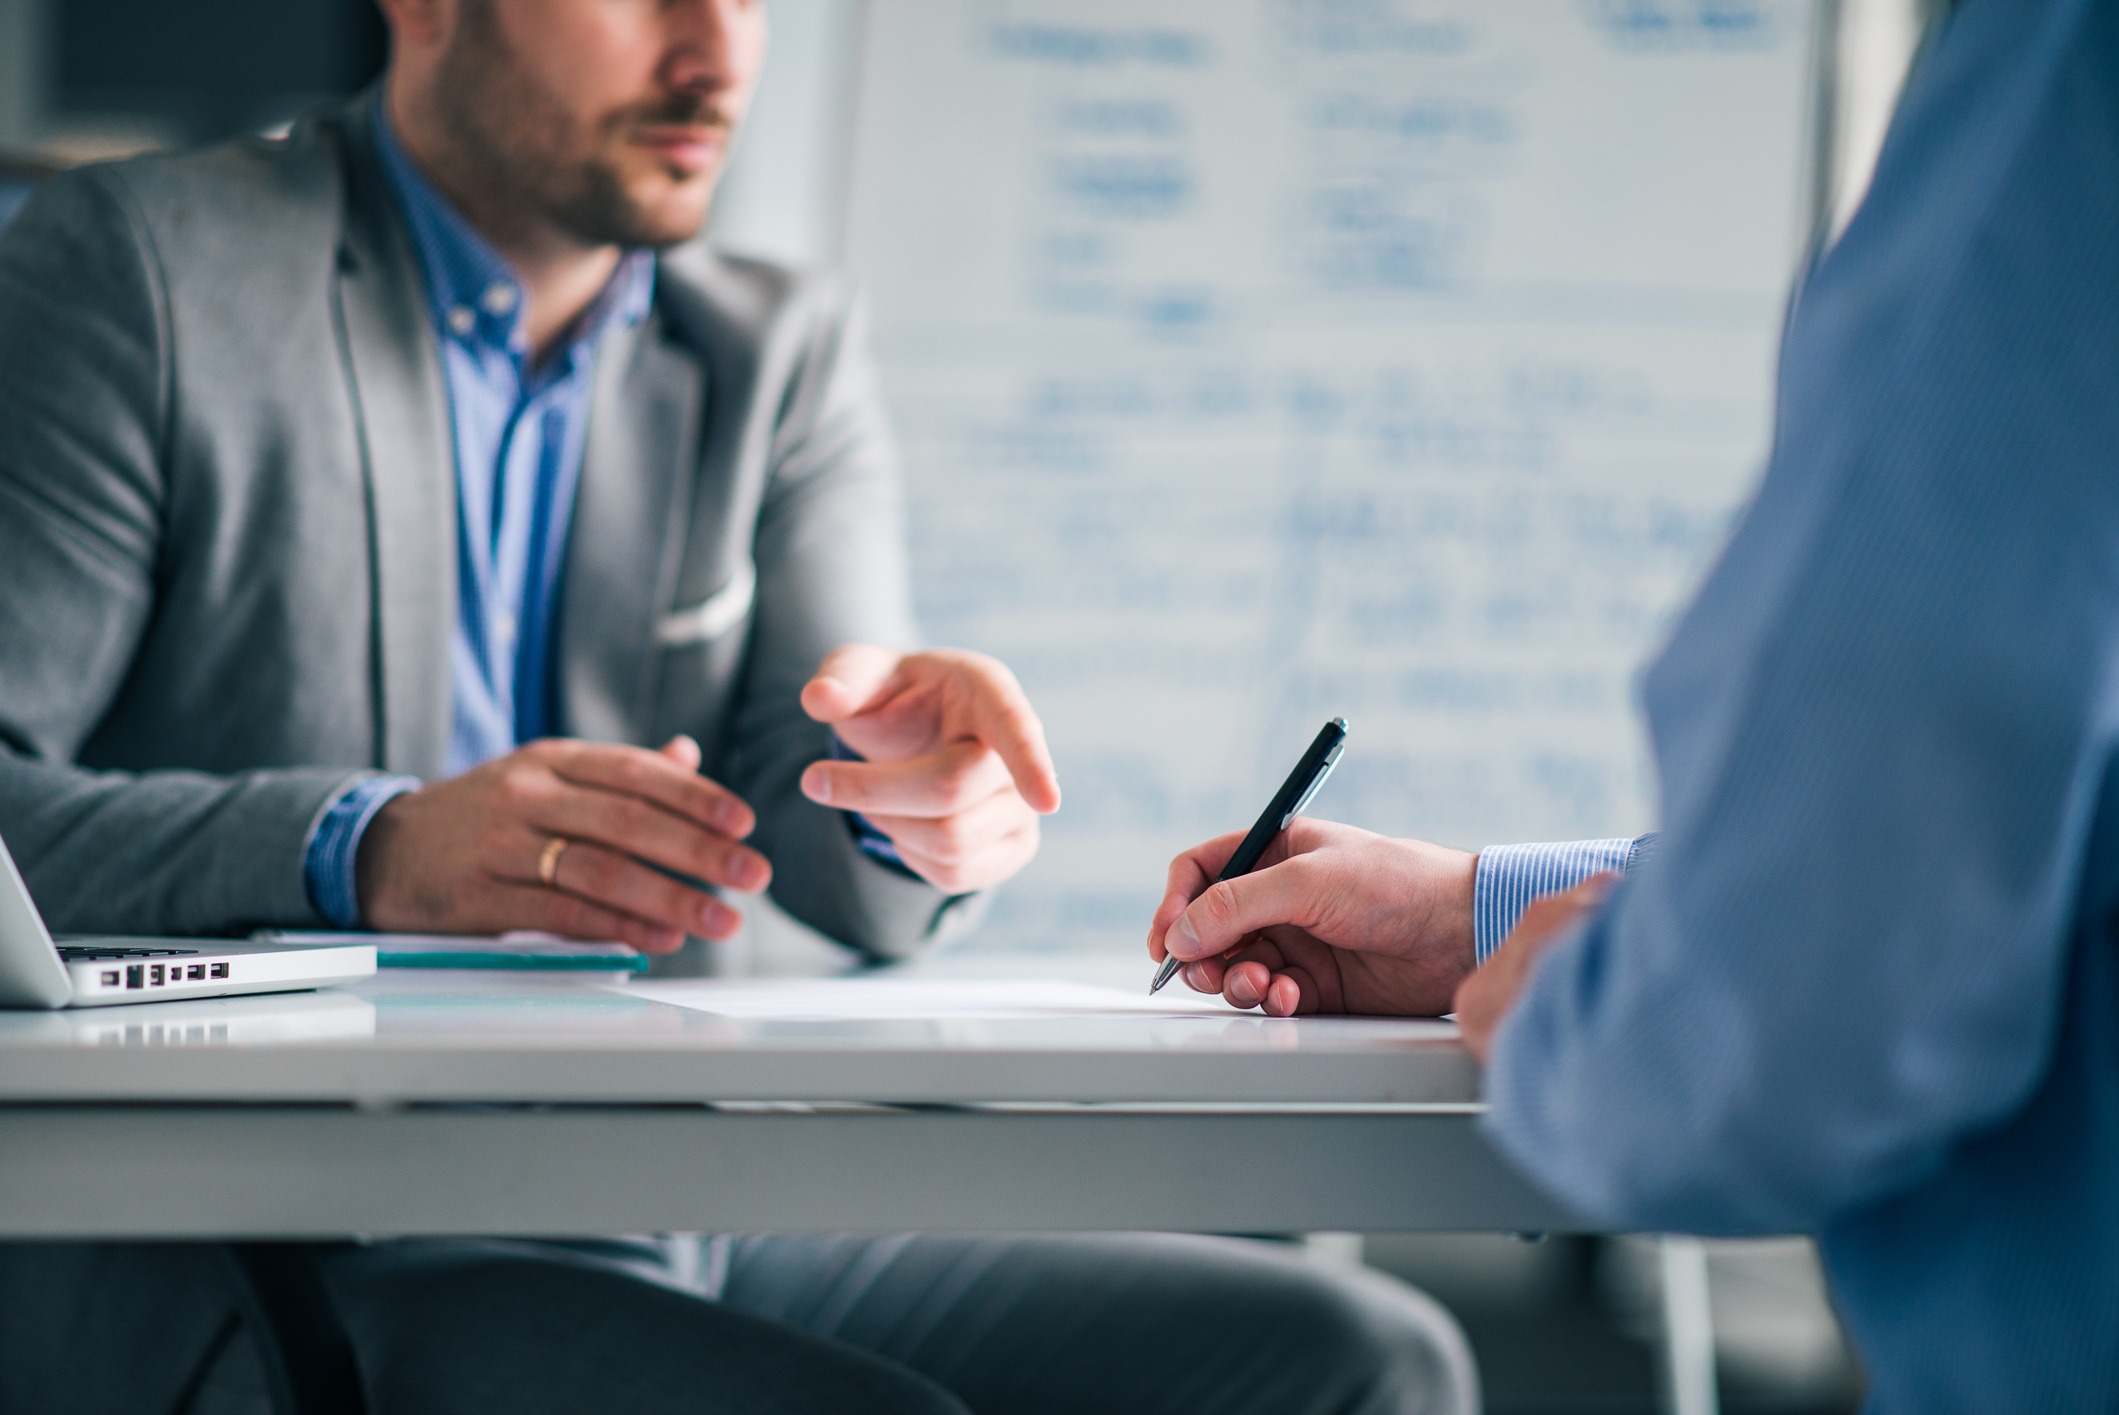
(1287,803)
(1329,919)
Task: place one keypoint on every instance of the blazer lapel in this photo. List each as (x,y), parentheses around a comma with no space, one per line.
(632,516)
(401,402)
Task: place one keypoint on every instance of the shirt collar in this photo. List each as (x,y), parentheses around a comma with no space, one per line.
(476,297)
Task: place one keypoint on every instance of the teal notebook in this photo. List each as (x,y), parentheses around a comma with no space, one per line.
(515,952)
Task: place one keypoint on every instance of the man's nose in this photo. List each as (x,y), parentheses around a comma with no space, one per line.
(714,45)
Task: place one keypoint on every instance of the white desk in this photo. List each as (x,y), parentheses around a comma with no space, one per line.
(457,1103)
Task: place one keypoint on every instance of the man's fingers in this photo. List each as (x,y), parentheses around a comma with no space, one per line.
(1291,994)
(1007,855)
(962,837)
(938,784)
(653,776)
(622,885)
(571,916)
(848,680)
(1287,991)
(1207,975)
(630,825)
(975,695)
(1225,913)
(1004,720)
(1190,873)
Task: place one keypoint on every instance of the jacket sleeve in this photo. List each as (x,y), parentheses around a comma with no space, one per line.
(85,395)
(831,570)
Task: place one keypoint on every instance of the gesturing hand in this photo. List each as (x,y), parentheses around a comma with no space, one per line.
(957,771)
(464,855)
(1335,919)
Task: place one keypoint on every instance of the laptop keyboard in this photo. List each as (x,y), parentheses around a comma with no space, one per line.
(88,953)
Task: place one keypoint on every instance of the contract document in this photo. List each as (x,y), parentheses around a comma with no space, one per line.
(875,998)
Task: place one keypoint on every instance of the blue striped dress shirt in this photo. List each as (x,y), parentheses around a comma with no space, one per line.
(1509,877)
(519,425)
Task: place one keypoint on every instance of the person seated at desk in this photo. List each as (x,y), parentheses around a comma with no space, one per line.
(394,520)
(1866,983)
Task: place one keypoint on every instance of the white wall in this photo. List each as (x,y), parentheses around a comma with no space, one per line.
(1877,41)
(784,193)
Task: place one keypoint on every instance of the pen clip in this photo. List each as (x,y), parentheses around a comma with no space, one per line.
(1324,770)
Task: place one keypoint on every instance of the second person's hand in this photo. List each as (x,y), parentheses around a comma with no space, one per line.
(956,770)
(1334,919)
(472,854)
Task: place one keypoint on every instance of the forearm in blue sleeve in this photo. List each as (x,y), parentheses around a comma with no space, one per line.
(335,845)
(1880,731)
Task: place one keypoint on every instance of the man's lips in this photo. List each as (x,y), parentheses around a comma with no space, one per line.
(688,148)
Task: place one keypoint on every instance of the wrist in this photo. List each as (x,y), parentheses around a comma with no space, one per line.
(370,856)
(328,865)
(1459,924)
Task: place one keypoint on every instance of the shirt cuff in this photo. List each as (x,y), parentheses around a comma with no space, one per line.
(872,842)
(335,846)
(1508,877)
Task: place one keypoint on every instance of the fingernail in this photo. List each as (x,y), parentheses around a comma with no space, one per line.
(1184,939)
(730,818)
(748,871)
(816,784)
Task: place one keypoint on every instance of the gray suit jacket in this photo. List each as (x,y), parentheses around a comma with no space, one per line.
(227,537)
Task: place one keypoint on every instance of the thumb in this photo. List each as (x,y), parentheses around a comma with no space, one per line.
(1230,911)
(848,681)
(682,750)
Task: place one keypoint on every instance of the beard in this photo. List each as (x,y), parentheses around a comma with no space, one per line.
(525,145)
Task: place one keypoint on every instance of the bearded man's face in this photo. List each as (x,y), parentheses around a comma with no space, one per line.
(609,119)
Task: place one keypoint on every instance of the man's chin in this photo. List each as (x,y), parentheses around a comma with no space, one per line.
(649,212)
(670,209)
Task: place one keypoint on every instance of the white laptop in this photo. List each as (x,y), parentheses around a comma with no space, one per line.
(96,972)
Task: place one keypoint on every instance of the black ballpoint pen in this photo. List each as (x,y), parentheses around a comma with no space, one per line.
(1287,803)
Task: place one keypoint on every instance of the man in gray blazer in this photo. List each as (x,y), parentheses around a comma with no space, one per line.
(402,526)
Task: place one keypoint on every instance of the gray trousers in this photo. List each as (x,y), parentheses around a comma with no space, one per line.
(923,1325)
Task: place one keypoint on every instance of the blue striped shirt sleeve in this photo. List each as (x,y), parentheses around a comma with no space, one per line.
(1508,877)
(335,845)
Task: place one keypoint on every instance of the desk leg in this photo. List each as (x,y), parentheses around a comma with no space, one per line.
(1688,1330)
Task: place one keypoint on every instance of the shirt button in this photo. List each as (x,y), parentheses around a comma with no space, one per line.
(462,320)
(498,299)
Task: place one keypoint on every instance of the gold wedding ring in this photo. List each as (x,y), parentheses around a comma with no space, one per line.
(548,862)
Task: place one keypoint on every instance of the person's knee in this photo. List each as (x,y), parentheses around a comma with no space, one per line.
(1378,1346)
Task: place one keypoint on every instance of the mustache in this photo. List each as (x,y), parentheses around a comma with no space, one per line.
(680,110)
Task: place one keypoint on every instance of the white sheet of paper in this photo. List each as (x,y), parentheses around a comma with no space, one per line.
(871,998)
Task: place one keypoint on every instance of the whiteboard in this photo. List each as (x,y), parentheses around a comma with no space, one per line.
(1259,361)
